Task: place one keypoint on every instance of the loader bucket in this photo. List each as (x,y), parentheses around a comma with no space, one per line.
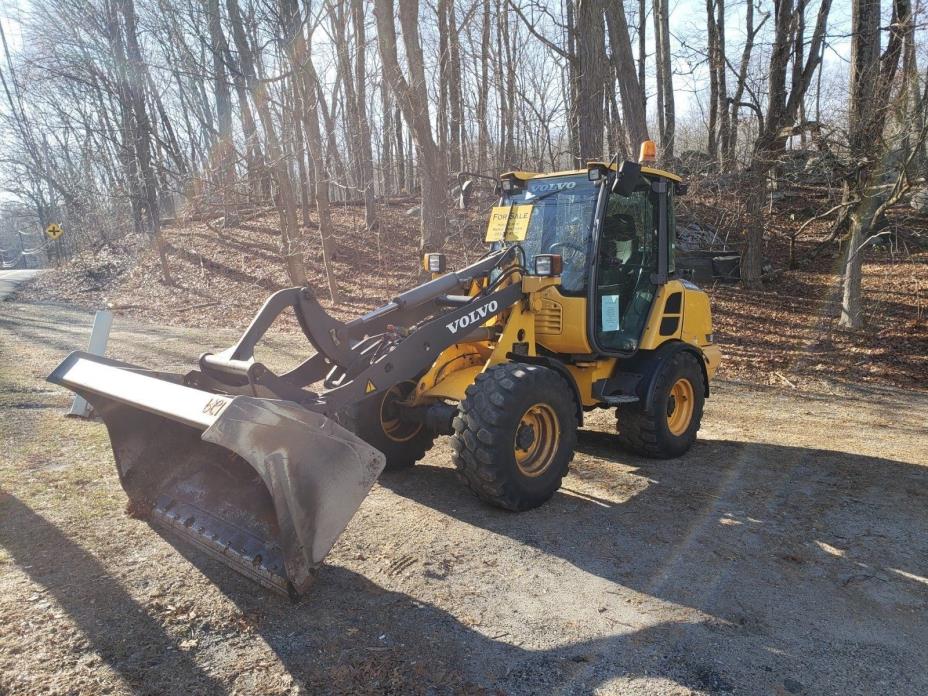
(265,486)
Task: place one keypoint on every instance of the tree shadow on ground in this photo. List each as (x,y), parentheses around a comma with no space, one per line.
(779,541)
(352,636)
(739,531)
(122,633)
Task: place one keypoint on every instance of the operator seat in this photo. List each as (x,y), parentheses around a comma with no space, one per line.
(620,256)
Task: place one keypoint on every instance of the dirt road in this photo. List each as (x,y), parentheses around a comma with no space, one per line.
(787,553)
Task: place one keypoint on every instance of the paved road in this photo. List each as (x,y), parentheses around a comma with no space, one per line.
(10,279)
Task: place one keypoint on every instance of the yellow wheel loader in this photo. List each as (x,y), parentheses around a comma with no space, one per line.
(575,306)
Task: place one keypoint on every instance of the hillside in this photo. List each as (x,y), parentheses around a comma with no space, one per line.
(784,335)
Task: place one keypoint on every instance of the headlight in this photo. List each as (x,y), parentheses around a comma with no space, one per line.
(547,264)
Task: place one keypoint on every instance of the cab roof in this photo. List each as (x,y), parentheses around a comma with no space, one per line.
(650,171)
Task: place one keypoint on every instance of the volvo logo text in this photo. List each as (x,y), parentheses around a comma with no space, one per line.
(474,317)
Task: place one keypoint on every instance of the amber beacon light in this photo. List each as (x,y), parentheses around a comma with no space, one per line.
(648,152)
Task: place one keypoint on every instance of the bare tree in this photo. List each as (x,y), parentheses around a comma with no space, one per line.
(631,86)
(776,125)
(290,233)
(666,112)
(365,154)
(876,160)
(224,149)
(411,97)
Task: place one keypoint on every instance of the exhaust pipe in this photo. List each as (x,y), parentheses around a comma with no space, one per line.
(265,486)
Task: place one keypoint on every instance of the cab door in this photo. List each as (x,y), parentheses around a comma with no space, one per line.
(625,268)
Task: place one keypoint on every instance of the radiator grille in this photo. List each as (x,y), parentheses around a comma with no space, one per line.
(549,320)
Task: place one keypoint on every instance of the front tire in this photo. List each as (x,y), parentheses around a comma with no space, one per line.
(669,428)
(515,434)
(377,421)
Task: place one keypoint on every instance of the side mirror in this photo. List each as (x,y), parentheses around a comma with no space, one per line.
(626,178)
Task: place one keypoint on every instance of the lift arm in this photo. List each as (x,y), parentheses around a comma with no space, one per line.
(362,356)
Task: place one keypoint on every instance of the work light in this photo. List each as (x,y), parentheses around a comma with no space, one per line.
(596,171)
(547,264)
(434,263)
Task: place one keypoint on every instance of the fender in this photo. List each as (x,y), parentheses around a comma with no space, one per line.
(558,367)
(649,365)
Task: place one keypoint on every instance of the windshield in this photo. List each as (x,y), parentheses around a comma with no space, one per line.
(560,222)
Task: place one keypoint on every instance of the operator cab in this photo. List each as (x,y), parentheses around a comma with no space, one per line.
(605,223)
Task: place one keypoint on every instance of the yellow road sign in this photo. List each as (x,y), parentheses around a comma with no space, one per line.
(54,231)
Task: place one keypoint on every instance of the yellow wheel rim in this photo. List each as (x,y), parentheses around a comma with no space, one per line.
(536,439)
(680,406)
(394,427)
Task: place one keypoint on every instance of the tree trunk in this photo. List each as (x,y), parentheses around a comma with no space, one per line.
(224,151)
(877,160)
(573,82)
(728,146)
(413,101)
(665,98)
(320,178)
(591,52)
(456,121)
(365,146)
(865,71)
(444,76)
(386,139)
(713,41)
(643,51)
(755,187)
(308,90)
(721,77)
(401,184)
(851,314)
(345,78)
(632,91)
(483,91)
(142,135)
(782,108)
(300,152)
(510,34)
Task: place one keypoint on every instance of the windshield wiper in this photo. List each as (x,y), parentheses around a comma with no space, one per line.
(534,198)
(541,197)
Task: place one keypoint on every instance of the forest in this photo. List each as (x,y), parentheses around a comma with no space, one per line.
(124,117)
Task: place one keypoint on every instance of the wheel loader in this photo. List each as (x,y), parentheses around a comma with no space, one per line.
(575,306)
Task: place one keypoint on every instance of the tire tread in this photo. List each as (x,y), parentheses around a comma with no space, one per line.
(478,437)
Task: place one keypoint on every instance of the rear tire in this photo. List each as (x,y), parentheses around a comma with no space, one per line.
(376,421)
(669,429)
(515,434)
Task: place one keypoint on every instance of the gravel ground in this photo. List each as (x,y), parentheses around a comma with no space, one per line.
(787,553)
